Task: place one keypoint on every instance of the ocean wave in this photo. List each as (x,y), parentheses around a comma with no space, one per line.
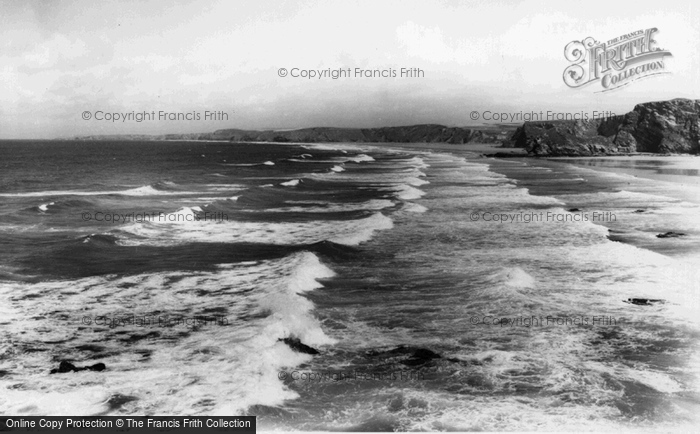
(330,207)
(265,163)
(159,189)
(184,366)
(361,158)
(414,208)
(183,228)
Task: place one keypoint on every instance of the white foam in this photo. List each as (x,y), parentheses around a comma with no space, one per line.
(292,183)
(406,192)
(232,366)
(184,230)
(266,163)
(416,182)
(414,208)
(45,207)
(145,190)
(142,191)
(319,207)
(361,158)
(337,169)
(518,278)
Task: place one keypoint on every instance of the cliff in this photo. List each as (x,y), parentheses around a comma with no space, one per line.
(658,127)
(409,134)
(430,133)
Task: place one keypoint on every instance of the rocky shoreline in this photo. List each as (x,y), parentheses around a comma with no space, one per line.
(663,127)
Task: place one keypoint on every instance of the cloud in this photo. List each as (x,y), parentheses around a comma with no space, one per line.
(60,58)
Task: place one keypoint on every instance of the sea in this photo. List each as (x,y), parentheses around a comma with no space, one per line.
(349,287)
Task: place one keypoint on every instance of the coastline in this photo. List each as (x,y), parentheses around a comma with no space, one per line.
(667,168)
(656,167)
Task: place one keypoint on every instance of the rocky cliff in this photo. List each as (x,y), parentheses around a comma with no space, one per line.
(410,134)
(430,133)
(659,127)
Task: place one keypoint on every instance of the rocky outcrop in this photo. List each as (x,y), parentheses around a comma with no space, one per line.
(657,127)
(298,346)
(644,301)
(409,356)
(65,366)
(670,235)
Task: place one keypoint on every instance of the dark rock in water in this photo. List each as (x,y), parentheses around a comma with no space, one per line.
(64,367)
(574,210)
(411,356)
(616,236)
(4,373)
(644,301)
(117,401)
(639,211)
(671,235)
(420,357)
(660,127)
(298,346)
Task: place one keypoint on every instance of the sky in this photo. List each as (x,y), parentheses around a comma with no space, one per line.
(62,59)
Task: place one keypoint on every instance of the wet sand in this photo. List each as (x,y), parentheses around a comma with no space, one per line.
(476,148)
(680,169)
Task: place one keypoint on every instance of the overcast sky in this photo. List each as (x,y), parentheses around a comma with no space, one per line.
(59,59)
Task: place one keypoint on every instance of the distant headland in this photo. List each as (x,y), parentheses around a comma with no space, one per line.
(429,133)
(663,127)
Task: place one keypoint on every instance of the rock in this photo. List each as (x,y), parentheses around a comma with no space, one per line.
(639,211)
(666,126)
(420,357)
(117,401)
(658,127)
(574,210)
(296,345)
(670,235)
(409,356)
(64,367)
(644,301)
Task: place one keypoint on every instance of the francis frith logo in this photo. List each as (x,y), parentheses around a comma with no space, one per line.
(615,63)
